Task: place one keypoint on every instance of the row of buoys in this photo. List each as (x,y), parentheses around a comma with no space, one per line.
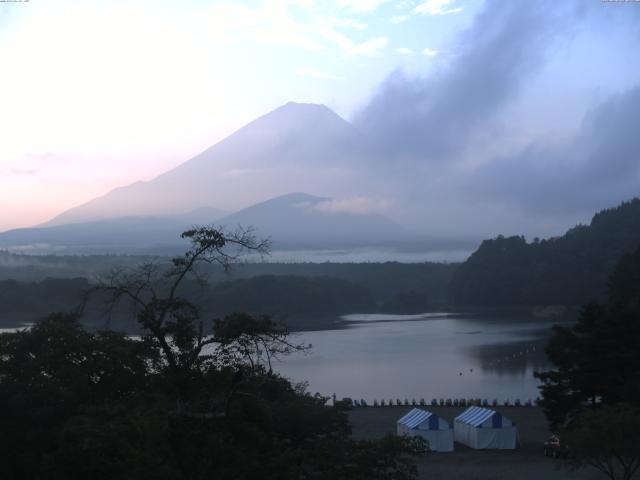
(513,356)
(507,358)
(449,402)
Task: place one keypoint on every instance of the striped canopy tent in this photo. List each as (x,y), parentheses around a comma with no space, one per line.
(429,426)
(483,428)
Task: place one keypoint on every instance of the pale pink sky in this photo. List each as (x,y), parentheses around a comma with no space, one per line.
(100,94)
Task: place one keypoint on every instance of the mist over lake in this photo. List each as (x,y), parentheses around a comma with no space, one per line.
(359,255)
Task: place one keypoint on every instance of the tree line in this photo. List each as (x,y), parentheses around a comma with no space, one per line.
(568,270)
(592,396)
(301,302)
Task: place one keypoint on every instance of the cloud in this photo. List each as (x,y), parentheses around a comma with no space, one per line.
(356,204)
(598,166)
(435,118)
(339,22)
(361,5)
(24,171)
(436,7)
(451,149)
(37,249)
(430,52)
(355,24)
(271,24)
(313,73)
(370,47)
(241,172)
(399,19)
(404,51)
(305,25)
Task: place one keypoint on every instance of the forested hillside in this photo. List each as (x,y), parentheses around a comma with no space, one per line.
(301,302)
(303,294)
(30,301)
(570,270)
(384,280)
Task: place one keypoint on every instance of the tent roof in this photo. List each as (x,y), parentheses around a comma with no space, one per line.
(415,417)
(475,416)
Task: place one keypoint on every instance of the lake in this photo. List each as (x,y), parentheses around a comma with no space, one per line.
(435,355)
(423,356)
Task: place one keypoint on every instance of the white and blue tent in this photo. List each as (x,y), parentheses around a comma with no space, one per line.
(421,423)
(483,428)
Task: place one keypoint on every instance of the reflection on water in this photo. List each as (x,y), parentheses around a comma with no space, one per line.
(386,317)
(423,357)
(16,329)
(514,358)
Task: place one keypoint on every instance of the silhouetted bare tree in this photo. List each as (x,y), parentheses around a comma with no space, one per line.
(169,321)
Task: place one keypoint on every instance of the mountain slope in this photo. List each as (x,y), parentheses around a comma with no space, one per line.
(109,235)
(295,220)
(123,234)
(293,147)
(572,269)
(299,220)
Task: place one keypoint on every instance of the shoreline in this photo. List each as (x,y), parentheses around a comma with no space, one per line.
(339,321)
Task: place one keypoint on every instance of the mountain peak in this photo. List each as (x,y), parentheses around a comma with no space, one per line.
(291,146)
(304,106)
(296,108)
(290,134)
(295,117)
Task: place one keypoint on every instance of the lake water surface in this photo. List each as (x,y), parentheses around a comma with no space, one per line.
(423,356)
(435,355)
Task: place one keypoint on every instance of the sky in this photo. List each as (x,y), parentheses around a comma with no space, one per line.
(516,115)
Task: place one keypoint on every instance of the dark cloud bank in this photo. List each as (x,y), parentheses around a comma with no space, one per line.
(432,124)
(600,166)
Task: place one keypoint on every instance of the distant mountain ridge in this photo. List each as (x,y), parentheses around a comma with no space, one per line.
(240,170)
(112,235)
(572,269)
(295,220)
(300,220)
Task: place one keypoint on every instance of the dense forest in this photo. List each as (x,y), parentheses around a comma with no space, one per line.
(23,302)
(591,396)
(568,270)
(299,302)
(383,280)
(303,295)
